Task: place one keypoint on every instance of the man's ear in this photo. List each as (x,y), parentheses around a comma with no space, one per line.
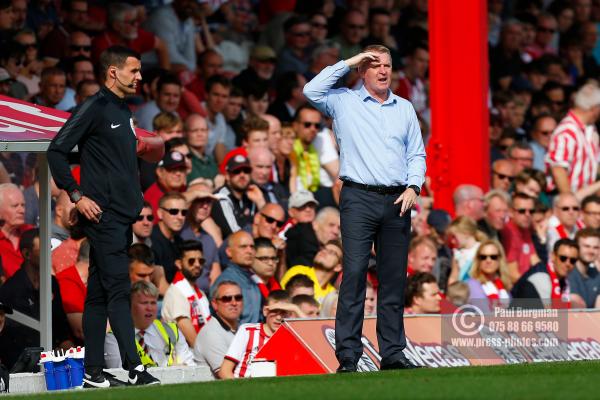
(178,264)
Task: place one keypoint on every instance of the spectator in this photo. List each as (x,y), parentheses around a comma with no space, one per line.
(319,28)
(565,222)
(80,45)
(239,200)
(380,22)
(547,284)
(412,80)
(217,95)
(325,266)
(168,91)
(302,208)
(214,339)
(12,213)
(468,201)
(172,210)
(300,285)
(532,183)
(329,305)
(261,67)
(267,223)
(307,304)
(274,132)
(294,55)
(251,337)
(264,266)
(505,59)
(184,303)
(495,206)
(543,127)
(584,278)
(210,63)
(261,162)
(256,99)
(203,163)
(142,267)
(171,177)
(466,238)
(72,282)
(285,170)
(545,30)
(422,294)
(305,239)
(422,255)
(503,174)
(160,344)
(52,87)
(490,283)
(29,75)
(241,253)
(142,227)
(289,96)
(234,117)
(61,222)
(19,8)
(85,89)
(174,25)
(307,123)
(370,300)
(591,211)
(78,69)
(22,291)
(352,32)
(323,55)
(571,170)
(255,136)
(65,255)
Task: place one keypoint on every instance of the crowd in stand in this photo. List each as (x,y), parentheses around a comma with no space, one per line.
(240,227)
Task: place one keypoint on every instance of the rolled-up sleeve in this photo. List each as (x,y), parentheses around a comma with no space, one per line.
(415,151)
(319,90)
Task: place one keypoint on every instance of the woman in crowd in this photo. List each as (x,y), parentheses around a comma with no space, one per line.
(490,283)
(465,238)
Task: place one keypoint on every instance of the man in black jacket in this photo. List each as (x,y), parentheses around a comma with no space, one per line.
(110,199)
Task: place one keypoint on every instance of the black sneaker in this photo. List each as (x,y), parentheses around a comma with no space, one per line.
(140,376)
(101,379)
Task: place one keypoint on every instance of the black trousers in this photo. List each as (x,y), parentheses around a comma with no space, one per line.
(108,291)
(367,218)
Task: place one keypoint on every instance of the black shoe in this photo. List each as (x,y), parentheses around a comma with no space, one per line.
(101,379)
(400,363)
(346,365)
(140,376)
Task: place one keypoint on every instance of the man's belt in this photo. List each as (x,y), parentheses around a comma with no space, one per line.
(376,188)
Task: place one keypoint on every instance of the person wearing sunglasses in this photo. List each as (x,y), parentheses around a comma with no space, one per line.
(264,266)
(546,285)
(184,303)
(171,176)
(142,227)
(517,236)
(503,174)
(268,222)
(216,336)
(294,56)
(565,221)
(172,210)
(490,284)
(543,126)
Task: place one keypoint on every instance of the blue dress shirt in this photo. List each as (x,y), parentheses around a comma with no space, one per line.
(380,143)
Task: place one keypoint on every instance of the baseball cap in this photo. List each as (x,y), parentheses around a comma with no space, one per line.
(439,220)
(263,53)
(172,160)
(237,162)
(6,308)
(302,197)
(4,75)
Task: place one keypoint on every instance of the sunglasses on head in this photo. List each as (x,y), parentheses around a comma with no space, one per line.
(241,170)
(271,220)
(309,124)
(191,261)
(175,211)
(147,217)
(572,260)
(75,47)
(229,299)
(494,257)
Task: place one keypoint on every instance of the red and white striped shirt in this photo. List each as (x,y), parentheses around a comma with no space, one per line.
(576,148)
(247,341)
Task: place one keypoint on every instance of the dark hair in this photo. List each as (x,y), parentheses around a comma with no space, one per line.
(141,253)
(214,292)
(51,71)
(305,298)
(146,204)
(263,243)
(256,89)
(82,84)
(302,108)
(27,238)
(593,198)
(564,242)
(414,286)
(286,84)
(174,142)
(520,196)
(204,55)
(11,49)
(299,280)
(293,21)
(115,56)
(217,79)
(167,79)
(254,123)
(189,245)
(236,92)
(586,233)
(84,251)
(276,296)
(375,11)
(70,65)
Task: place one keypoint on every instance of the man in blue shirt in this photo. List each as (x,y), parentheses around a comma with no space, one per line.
(382,164)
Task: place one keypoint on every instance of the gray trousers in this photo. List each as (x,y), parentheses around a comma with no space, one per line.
(368,217)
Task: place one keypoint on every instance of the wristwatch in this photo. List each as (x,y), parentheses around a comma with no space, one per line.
(416,189)
(75,196)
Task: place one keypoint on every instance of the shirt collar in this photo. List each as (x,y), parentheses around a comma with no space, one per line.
(364,95)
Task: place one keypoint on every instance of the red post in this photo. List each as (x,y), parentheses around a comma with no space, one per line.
(458,151)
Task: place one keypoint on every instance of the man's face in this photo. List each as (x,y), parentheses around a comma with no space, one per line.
(81,45)
(328,229)
(306,213)
(29,43)
(82,70)
(20,13)
(310,310)
(545,31)
(168,97)
(197,133)
(53,89)
(12,207)
(295,291)
(567,211)
(88,90)
(192,263)
(274,134)
(308,125)
(143,225)
(128,27)
(233,108)
(239,179)
(298,38)
(380,26)
(591,215)
(78,14)
(257,105)
(589,249)
(422,258)
(429,302)
(212,65)
(257,139)
(269,220)
(496,213)
(228,303)
(7,18)
(419,62)
(274,318)
(241,250)
(522,158)
(175,131)
(173,213)
(370,301)
(129,76)
(512,37)
(144,309)
(329,257)
(354,27)
(522,212)
(265,262)
(503,173)
(564,260)
(261,168)
(217,98)
(138,271)
(377,75)
(263,68)
(557,97)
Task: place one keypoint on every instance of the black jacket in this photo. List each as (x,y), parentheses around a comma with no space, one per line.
(102,128)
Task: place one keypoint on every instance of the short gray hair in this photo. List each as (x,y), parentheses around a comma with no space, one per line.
(146,288)
(5,187)
(213,295)
(588,96)
(117,11)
